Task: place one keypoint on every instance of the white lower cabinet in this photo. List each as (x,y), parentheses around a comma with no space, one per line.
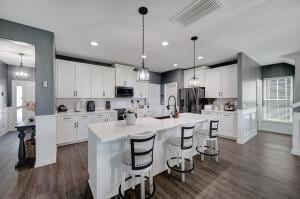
(227,122)
(73,128)
(66,130)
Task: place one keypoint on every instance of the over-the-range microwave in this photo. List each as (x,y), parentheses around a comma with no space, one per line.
(122,91)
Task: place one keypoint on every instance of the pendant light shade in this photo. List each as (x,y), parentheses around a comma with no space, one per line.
(143,73)
(194,81)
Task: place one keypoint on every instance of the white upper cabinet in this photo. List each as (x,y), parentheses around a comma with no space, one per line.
(141,90)
(125,76)
(221,82)
(109,81)
(97,82)
(229,81)
(212,83)
(66,79)
(199,73)
(79,80)
(83,80)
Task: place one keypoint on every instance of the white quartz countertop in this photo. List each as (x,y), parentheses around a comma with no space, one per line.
(84,112)
(218,111)
(111,131)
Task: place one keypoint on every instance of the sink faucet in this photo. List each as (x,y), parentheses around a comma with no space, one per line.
(175,107)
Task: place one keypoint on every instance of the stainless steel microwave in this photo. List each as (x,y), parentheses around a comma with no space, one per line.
(122,91)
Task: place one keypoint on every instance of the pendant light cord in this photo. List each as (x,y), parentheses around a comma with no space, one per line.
(143,41)
(194,59)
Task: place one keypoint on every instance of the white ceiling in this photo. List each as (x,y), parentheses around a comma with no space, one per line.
(9,53)
(263,29)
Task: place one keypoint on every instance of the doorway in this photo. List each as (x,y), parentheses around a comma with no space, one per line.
(23,94)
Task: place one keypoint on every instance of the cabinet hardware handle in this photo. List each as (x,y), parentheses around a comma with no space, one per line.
(84,116)
(75,125)
(66,118)
(74,93)
(104,93)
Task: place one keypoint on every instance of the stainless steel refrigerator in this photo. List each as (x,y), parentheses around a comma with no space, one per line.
(191,100)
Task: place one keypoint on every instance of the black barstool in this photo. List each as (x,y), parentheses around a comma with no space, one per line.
(183,147)
(137,162)
(205,137)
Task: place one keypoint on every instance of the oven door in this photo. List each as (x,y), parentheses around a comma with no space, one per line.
(124,91)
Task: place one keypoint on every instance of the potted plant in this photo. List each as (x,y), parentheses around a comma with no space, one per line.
(130,116)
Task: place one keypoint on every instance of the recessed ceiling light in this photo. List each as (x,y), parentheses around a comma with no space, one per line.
(165,43)
(200,57)
(94,43)
(175,65)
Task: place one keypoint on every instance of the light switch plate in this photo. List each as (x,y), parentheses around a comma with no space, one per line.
(45,84)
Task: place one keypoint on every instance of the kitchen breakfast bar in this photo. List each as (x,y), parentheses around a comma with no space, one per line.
(107,141)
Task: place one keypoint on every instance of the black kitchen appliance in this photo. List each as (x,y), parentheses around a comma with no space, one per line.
(122,91)
(62,108)
(191,100)
(121,112)
(90,106)
(107,105)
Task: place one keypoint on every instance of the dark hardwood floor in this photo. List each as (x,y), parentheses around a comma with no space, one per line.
(261,168)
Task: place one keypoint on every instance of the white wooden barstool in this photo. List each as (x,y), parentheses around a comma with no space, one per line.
(137,162)
(207,141)
(183,148)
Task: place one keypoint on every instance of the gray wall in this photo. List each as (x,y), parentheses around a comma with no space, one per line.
(155,78)
(172,76)
(44,60)
(248,73)
(3,84)
(11,76)
(277,70)
(296,56)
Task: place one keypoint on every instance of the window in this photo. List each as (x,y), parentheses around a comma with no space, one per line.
(19,103)
(278,98)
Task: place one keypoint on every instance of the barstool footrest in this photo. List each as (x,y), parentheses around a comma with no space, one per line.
(207,154)
(178,170)
(138,176)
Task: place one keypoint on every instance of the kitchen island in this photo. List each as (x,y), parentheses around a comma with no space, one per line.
(107,141)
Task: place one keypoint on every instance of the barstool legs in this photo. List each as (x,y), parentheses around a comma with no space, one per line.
(123,182)
(133,182)
(151,181)
(142,186)
(191,161)
(182,168)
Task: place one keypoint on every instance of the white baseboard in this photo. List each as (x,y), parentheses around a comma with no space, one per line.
(296,152)
(45,162)
(246,139)
(3,132)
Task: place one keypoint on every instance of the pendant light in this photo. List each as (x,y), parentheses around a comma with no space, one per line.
(143,73)
(21,55)
(194,82)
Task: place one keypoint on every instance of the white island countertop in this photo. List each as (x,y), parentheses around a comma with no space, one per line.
(111,131)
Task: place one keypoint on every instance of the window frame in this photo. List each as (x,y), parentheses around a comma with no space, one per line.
(277,100)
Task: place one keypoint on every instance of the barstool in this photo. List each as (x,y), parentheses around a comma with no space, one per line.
(206,136)
(183,147)
(137,162)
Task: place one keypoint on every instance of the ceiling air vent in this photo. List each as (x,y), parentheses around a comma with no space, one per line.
(195,11)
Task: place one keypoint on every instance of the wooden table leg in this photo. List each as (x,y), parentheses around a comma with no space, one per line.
(22,152)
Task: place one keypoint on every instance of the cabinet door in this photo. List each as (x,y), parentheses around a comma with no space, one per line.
(212,83)
(97,82)
(228,125)
(229,82)
(144,89)
(82,129)
(200,73)
(109,82)
(66,130)
(188,74)
(131,77)
(66,79)
(83,80)
(121,75)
